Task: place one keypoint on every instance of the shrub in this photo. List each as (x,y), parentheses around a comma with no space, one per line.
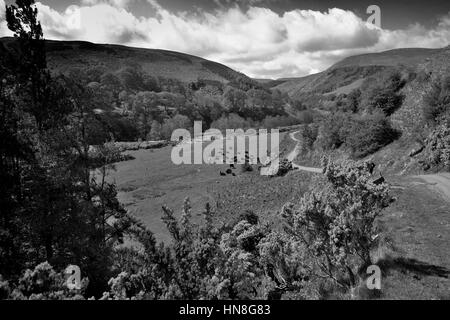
(438,146)
(309,135)
(336,222)
(367,135)
(437,101)
(333,130)
(284,167)
(43,283)
(384,94)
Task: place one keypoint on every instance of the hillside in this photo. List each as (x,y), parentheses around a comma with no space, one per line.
(350,71)
(65,55)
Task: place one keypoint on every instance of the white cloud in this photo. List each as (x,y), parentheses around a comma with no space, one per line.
(4,31)
(256,41)
(114,3)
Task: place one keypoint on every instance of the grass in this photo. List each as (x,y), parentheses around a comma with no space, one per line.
(151,180)
(414,256)
(417,265)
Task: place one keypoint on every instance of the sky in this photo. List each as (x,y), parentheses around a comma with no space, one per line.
(261,38)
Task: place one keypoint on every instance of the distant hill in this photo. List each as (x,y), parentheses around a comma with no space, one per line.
(65,55)
(349,73)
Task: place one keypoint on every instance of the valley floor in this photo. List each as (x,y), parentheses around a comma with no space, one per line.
(415,260)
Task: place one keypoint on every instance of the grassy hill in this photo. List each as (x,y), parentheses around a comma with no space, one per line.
(351,71)
(65,55)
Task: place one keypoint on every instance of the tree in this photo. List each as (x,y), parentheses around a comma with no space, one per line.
(177,122)
(353,101)
(369,134)
(385,94)
(155,132)
(52,209)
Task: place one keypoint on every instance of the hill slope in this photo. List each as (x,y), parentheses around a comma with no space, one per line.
(65,55)
(351,70)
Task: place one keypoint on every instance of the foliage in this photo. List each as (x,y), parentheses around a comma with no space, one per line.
(437,102)
(51,206)
(309,134)
(43,283)
(333,131)
(384,94)
(363,135)
(177,122)
(203,262)
(284,167)
(369,134)
(336,222)
(438,146)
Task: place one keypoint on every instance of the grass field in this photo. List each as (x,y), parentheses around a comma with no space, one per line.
(151,181)
(414,257)
(417,266)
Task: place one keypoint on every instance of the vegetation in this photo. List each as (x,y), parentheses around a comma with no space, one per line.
(247,258)
(362,135)
(438,146)
(56,211)
(437,102)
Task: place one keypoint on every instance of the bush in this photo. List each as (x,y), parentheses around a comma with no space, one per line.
(384,94)
(438,146)
(333,130)
(177,122)
(284,167)
(367,135)
(437,102)
(43,283)
(309,135)
(336,222)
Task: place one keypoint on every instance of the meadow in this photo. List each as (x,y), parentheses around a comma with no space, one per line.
(151,181)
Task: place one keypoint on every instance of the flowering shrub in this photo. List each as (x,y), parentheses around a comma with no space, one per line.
(438,146)
(43,283)
(336,222)
(329,235)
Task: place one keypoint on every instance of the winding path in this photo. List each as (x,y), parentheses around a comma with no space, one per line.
(439,183)
(272,169)
(294,153)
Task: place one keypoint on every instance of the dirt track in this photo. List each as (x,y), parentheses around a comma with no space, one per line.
(438,182)
(293,154)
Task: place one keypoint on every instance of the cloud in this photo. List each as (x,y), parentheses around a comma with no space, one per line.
(254,40)
(3,26)
(114,3)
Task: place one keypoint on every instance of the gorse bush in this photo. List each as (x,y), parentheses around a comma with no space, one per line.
(437,102)
(336,223)
(43,283)
(203,262)
(327,237)
(438,146)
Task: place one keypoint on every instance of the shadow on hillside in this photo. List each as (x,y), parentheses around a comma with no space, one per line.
(412,265)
